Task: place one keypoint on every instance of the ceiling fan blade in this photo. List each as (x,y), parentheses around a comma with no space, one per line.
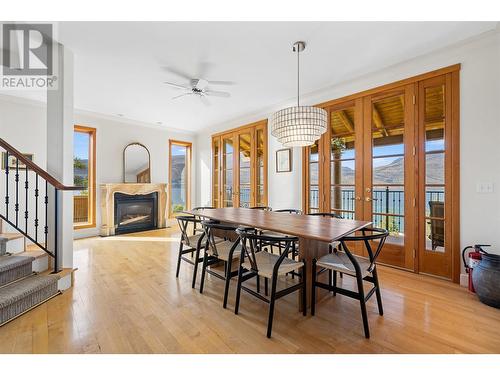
(221,94)
(204,100)
(227,83)
(177,72)
(177,86)
(181,95)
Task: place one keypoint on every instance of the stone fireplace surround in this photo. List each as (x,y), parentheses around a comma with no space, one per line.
(108,203)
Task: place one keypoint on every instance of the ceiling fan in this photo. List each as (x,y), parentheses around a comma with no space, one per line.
(199,87)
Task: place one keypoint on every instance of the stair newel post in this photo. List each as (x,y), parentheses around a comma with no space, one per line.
(46,202)
(16,206)
(57,255)
(7,185)
(36,207)
(26,188)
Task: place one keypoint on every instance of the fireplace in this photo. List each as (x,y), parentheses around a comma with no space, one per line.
(135,213)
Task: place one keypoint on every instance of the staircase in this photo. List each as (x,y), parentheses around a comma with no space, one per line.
(29,221)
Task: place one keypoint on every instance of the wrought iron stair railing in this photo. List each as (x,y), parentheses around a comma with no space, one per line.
(35,212)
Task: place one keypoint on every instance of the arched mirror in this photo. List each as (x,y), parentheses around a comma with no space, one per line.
(136,164)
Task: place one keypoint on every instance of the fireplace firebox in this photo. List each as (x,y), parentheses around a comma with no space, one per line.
(135,213)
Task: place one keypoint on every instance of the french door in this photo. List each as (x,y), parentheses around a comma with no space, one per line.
(388,193)
(239,167)
(390,156)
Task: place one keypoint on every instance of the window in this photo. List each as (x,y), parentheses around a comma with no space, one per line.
(390,157)
(179,176)
(239,166)
(84,175)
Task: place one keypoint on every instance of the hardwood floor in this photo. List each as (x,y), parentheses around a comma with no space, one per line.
(126,299)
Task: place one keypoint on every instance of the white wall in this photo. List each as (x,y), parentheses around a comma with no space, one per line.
(479,138)
(112,137)
(16,116)
(23,124)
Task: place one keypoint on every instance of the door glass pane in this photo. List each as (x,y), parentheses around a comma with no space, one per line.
(227,174)
(313,178)
(244,143)
(178,173)
(434,168)
(215,173)
(81,157)
(388,191)
(260,168)
(342,162)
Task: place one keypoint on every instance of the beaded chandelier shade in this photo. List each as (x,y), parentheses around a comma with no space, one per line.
(299,125)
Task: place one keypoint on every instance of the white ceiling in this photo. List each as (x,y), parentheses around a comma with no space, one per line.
(120,66)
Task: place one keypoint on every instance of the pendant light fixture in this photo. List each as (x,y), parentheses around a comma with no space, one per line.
(300,125)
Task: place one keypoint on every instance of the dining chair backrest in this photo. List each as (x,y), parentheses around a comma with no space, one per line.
(290,211)
(368,236)
(437,226)
(252,242)
(199,208)
(213,229)
(203,208)
(184,221)
(264,208)
(326,214)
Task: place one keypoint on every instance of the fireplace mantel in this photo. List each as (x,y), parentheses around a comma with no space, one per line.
(108,203)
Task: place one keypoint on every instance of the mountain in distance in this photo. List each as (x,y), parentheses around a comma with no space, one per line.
(393,173)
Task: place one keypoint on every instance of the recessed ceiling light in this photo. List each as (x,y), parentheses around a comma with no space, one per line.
(120,114)
(159,122)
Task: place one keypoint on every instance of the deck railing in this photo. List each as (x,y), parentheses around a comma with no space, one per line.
(385,201)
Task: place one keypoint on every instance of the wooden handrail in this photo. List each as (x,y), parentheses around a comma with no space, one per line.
(51,180)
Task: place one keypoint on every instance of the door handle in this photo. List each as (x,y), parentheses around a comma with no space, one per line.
(368,199)
(358,198)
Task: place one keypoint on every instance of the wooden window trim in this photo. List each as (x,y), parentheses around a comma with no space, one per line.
(392,86)
(189,146)
(92,176)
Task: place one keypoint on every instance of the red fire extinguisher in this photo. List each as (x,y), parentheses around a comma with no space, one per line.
(474,259)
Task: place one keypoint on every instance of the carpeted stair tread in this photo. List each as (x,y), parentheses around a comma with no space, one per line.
(8,262)
(17,291)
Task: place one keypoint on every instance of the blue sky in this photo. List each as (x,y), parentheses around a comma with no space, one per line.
(81,145)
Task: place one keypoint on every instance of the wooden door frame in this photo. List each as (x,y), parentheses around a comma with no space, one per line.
(217,138)
(92,132)
(409,247)
(236,166)
(234,134)
(452,74)
(452,168)
(189,157)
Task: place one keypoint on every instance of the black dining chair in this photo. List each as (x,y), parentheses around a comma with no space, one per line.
(200,208)
(263,208)
(363,269)
(332,245)
(217,251)
(290,211)
(326,214)
(256,261)
(192,242)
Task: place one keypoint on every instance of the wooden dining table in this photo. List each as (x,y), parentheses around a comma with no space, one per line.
(315,233)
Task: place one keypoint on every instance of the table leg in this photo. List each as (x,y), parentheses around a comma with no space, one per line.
(308,250)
